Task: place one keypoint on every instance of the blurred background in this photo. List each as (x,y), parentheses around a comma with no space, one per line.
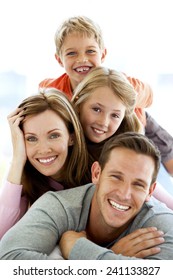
(138,37)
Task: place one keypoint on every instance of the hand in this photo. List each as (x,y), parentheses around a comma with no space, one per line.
(14,120)
(140,243)
(68,240)
(19,151)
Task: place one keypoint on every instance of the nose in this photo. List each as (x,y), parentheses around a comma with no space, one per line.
(104,120)
(82,59)
(44,147)
(125,191)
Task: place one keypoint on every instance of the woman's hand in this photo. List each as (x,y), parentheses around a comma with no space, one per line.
(18,143)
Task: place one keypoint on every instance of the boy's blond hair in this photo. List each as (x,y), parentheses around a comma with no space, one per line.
(80,24)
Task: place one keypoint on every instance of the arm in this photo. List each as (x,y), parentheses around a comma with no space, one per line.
(163,140)
(36,234)
(162,195)
(140,243)
(12,206)
(144,92)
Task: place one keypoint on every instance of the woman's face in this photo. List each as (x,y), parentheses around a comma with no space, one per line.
(47,140)
(102,114)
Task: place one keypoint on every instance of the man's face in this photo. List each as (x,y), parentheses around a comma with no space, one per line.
(122,187)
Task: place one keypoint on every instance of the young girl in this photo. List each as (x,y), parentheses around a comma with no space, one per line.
(105,101)
(49,153)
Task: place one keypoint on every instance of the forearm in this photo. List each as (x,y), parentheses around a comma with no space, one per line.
(10,206)
(84,249)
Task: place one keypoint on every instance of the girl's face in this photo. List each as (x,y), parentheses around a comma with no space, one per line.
(47,140)
(102,114)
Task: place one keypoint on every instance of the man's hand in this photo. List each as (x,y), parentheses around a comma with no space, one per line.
(140,243)
(68,240)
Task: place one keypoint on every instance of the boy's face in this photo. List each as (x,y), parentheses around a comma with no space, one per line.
(121,188)
(79,54)
(101,114)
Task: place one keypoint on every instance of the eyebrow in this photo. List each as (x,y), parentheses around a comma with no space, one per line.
(122,174)
(74,48)
(52,130)
(103,106)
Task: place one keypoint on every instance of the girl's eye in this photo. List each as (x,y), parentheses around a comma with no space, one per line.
(96,109)
(115,116)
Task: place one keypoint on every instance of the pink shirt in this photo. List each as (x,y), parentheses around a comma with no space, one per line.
(13,206)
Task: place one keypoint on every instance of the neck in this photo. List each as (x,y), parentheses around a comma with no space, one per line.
(98,231)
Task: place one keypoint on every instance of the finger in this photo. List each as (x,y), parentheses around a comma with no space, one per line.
(15,112)
(148,252)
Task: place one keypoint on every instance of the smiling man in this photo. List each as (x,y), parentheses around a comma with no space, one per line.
(114,217)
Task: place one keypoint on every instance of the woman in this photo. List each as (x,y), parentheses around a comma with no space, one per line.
(49,153)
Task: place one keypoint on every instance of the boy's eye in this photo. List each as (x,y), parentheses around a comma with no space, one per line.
(91,51)
(71,53)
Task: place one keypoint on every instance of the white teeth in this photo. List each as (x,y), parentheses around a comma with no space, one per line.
(118,206)
(46,160)
(82,69)
(98,131)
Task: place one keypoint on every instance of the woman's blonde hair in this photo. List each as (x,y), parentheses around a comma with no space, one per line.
(118,83)
(75,168)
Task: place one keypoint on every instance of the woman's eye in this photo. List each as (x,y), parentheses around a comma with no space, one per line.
(54,136)
(31,139)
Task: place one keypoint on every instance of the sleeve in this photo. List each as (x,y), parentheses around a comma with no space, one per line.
(12,206)
(162,139)
(36,234)
(84,249)
(144,92)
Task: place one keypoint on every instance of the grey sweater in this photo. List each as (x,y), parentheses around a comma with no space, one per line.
(38,232)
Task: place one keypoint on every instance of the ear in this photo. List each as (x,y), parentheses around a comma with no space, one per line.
(71,140)
(104,53)
(151,190)
(59,60)
(95,172)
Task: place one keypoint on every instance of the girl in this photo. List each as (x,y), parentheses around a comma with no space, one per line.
(105,101)
(49,153)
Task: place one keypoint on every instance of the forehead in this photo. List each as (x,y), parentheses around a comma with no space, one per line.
(72,37)
(130,163)
(44,120)
(105,96)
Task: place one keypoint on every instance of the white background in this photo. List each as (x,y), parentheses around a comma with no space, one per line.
(138,36)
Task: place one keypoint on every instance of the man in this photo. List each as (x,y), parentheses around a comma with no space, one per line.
(101,214)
